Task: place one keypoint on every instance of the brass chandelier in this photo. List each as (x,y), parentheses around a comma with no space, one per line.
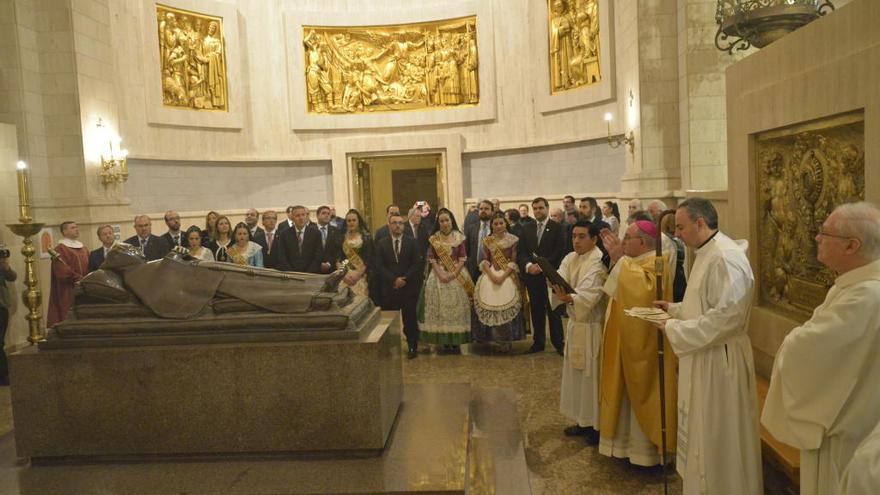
(746,23)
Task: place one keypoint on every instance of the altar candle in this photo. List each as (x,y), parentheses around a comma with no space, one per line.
(23,194)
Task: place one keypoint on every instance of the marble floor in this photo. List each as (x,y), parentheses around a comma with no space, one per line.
(557,464)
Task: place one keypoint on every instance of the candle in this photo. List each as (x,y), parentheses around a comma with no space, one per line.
(24,210)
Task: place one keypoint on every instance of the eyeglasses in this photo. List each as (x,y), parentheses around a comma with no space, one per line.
(836,236)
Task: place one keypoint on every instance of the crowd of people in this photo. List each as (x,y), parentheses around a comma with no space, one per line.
(493,281)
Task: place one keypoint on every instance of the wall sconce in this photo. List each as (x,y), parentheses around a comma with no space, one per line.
(616,141)
(113,163)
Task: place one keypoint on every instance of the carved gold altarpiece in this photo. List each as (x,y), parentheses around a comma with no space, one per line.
(192,59)
(802,173)
(573,43)
(391,67)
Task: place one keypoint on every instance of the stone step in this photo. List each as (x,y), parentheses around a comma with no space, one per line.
(783,456)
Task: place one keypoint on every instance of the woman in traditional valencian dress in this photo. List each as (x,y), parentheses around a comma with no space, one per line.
(498,296)
(445,300)
(244,251)
(358,250)
(194,245)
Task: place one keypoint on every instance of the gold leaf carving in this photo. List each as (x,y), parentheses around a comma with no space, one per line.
(802,174)
(192,57)
(573,43)
(391,68)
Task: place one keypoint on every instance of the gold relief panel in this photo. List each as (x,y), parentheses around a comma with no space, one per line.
(391,68)
(192,59)
(803,173)
(573,43)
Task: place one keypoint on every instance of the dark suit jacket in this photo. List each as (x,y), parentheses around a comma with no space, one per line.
(552,246)
(381,232)
(472,234)
(471,218)
(270,256)
(170,240)
(421,237)
(259,236)
(331,251)
(282,225)
(96,257)
(156,248)
(293,259)
(407,265)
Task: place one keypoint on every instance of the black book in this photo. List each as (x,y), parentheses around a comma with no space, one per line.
(552,275)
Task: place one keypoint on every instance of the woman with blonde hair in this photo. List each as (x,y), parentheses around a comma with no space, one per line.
(221,239)
(208,233)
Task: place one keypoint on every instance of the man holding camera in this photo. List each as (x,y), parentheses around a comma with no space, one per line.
(7,274)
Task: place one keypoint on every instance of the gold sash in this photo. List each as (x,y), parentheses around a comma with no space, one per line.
(353,257)
(444,255)
(500,262)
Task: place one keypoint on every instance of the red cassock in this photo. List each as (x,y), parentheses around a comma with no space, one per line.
(64,276)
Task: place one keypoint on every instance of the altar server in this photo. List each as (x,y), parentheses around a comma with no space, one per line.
(630,420)
(823,395)
(70,263)
(862,475)
(719,449)
(585,269)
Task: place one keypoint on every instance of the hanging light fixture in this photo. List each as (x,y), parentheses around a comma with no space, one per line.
(746,23)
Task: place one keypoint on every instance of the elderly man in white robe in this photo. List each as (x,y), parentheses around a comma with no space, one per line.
(824,395)
(585,271)
(719,449)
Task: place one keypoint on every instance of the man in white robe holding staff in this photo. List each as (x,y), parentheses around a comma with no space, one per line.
(824,395)
(585,271)
(719,449)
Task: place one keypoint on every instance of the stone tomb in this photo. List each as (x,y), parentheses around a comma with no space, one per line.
(184,396)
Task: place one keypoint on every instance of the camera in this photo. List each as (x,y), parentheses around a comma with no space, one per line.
(420,204)
(4,251)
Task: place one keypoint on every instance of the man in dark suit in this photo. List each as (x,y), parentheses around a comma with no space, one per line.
(299,247)
(256,233)
(382,231)
(338,222)
(174,237)
(153,247)
(331,240)
(288,222)
(547,240)
(472,215)
(270,249)
(397,264)
(475,233)
(107,237)
(417,228)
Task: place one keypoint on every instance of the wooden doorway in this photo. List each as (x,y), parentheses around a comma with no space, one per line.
(396,179)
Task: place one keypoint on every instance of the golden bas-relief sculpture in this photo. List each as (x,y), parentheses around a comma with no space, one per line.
(192,57)
(802,175)
(574,43)
(394,67)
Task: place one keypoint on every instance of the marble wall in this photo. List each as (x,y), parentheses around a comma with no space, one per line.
(826,68)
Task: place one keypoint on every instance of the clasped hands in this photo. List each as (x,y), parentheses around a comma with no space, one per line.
(485,267)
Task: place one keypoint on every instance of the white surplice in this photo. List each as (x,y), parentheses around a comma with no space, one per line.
(719,449)
(579,399)
(862,475)
(824,395)
(629,441)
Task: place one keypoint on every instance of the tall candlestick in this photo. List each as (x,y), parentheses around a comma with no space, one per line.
(24,203)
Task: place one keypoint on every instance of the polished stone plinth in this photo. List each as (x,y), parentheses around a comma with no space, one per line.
(448,439)
(173,400)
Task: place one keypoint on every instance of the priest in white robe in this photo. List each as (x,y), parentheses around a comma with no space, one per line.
(862,475)
(719,449)
(824,395)
(585,271)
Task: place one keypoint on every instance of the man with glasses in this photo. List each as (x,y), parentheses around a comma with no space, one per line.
(629,411)
(823,391)
(174,237)
(718,442)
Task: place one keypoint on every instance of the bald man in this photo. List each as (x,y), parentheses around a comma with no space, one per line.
(152,246)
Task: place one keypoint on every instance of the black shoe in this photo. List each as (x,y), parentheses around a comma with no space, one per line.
(412,354)
(576,431)
(534,350)
(591,437)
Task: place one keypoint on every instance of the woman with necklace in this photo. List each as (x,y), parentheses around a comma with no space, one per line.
(498,296)
(222,238)
(445,300)
(358,250)
(245,252)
